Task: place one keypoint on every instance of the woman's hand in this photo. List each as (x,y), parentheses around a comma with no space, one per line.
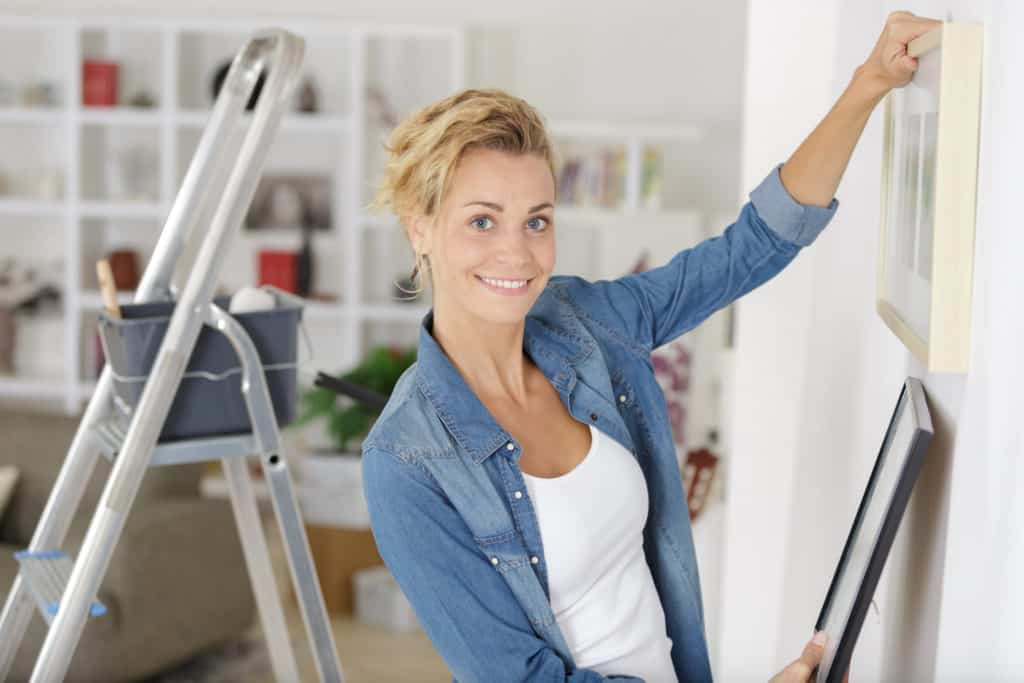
(812,173)
(889,66)
(800,670)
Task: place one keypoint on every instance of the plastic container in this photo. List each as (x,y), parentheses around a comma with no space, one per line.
(209,401)
(380,601)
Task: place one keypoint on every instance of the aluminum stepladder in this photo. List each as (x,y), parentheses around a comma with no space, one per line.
(211,187)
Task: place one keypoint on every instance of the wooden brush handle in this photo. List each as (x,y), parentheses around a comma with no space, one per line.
(107,289)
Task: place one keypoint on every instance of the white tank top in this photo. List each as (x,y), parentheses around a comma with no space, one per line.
(602,593)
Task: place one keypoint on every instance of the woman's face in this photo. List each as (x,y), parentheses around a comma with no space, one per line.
(494,230)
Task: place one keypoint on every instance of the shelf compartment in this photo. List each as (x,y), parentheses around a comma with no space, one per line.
(138,53)
(33,164)
(32,73)
(38,354)
(391,95)
(102,236)
(33,239)
(201,53)
(305,154)
(120,163)
(326,246)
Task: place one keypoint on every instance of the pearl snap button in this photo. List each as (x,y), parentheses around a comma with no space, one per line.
(534,560)
(518,494)
(511,446)
(622,398)
(494,560)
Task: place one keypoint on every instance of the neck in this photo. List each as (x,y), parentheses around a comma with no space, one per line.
(488,355)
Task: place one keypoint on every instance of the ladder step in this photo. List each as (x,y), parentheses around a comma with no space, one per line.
(46,574)
(109,435)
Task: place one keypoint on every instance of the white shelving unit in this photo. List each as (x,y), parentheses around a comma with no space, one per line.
(174,59)
(357,260)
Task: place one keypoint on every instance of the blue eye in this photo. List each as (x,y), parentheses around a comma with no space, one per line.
(539,218)
(476,221)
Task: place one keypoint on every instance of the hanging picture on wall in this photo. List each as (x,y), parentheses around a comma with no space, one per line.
(929,184)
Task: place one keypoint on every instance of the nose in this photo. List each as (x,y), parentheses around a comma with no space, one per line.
(514,249)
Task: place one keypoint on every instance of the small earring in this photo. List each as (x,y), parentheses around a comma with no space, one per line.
(416,267)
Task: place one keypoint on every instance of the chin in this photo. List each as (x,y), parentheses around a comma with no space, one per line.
(503,315)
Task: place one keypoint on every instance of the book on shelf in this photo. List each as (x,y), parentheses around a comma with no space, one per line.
(279,268)
(651,179)
(594,179)
(598,179)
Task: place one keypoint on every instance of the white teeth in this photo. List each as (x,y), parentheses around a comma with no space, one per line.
(507,284)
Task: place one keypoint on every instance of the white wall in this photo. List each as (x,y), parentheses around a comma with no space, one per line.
(982,624)
(787,90)
(815,393)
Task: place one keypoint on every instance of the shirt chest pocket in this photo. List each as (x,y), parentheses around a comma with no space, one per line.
(504,551)
(507,555)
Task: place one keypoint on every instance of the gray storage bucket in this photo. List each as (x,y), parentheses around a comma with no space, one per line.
(209,401)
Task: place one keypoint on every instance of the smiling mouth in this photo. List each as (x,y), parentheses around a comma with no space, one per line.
(496,283)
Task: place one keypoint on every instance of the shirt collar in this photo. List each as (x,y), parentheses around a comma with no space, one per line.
(555,350)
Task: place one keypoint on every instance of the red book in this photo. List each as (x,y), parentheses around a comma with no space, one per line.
(280,269)
(99,83)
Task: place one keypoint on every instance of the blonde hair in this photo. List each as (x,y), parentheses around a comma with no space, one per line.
(424,149)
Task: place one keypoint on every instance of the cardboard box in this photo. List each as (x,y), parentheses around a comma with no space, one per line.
(338,553)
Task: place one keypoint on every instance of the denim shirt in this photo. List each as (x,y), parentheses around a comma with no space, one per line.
(449,508)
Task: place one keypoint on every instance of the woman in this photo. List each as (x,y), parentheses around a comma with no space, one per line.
(522,480)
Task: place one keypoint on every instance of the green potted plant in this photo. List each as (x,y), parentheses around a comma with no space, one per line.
(347,419)
(332,491)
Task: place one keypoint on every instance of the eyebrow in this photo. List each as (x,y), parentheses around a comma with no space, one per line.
(500,208)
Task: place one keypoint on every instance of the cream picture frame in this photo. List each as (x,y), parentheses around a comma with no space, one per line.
(929,193)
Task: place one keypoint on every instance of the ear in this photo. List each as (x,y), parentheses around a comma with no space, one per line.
(418,228)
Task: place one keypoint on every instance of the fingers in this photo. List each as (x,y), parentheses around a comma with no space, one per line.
(809,658)
(904,31)
(814,650)
(801,669)
(902,15)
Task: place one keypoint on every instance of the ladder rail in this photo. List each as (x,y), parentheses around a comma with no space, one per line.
(286,507)
(189,209)
(50,532)
(271,47)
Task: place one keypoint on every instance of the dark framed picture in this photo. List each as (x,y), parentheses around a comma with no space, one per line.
(874,527)
(291,201)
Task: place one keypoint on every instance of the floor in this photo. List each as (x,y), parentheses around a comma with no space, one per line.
(368,654)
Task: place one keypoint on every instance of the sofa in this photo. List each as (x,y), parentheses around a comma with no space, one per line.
(176,584)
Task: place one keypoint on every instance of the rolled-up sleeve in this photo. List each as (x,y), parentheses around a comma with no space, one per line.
(466,608)
(654,307)
(798,223)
